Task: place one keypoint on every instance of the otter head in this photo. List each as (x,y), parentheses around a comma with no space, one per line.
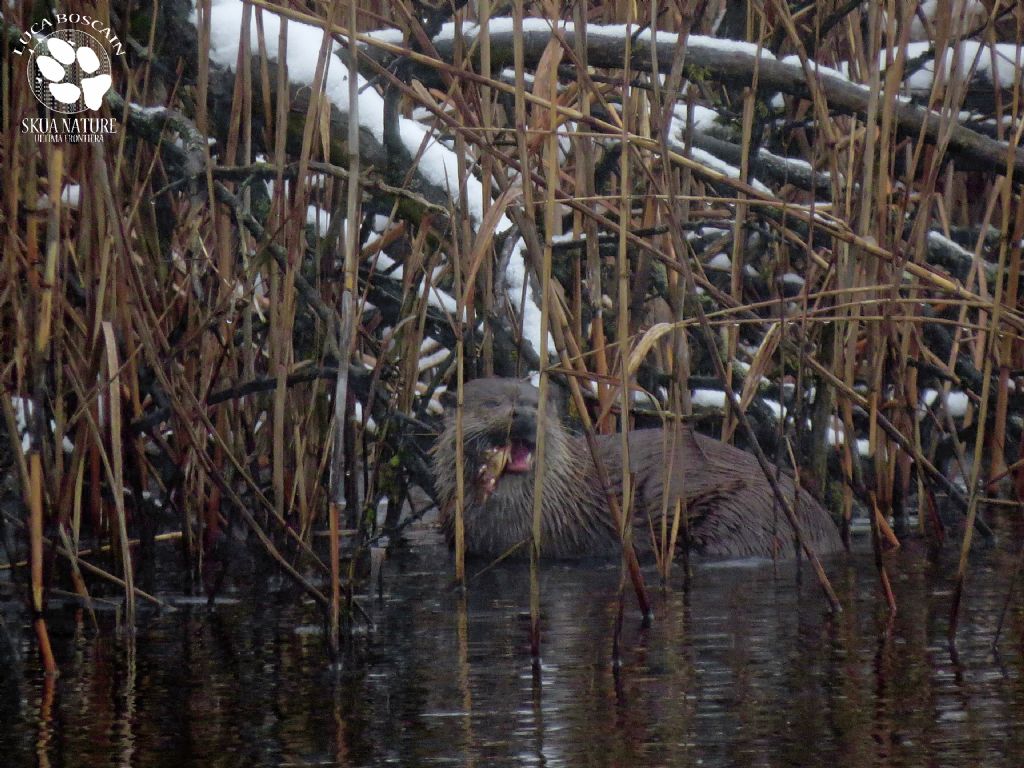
(499,430)
(500,419)
(499,438)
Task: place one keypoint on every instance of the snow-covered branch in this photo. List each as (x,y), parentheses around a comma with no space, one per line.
(738,63)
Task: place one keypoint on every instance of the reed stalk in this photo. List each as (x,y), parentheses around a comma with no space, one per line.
(36,546)
(623,331)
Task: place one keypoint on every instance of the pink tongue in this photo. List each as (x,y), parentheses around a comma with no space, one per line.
(520,458)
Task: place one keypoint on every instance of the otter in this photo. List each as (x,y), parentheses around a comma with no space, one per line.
(729,505)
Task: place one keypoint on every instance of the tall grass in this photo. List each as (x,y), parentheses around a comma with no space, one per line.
(183,333)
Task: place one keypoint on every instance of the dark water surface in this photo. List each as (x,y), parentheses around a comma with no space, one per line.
(747,669)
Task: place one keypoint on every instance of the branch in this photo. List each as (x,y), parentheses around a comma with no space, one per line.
(730,62)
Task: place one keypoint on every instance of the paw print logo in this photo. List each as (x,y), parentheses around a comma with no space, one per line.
(69,72)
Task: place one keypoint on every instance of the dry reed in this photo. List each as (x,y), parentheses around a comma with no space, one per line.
(181,324)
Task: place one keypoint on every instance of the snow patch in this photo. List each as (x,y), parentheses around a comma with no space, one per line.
(708,398)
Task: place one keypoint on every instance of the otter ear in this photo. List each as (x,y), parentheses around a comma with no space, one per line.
(449,399)
(558,395)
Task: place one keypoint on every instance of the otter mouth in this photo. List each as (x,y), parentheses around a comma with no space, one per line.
(513,458)
(520,456)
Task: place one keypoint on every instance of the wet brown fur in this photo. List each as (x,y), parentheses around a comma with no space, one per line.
(731,510)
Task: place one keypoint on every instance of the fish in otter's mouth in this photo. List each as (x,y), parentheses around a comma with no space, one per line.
(514,457)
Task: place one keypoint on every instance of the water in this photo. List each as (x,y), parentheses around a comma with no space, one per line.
(747,668)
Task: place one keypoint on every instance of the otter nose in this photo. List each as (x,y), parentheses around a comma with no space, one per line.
(524,422)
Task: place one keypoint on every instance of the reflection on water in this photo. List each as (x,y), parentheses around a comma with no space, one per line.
(746,669)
